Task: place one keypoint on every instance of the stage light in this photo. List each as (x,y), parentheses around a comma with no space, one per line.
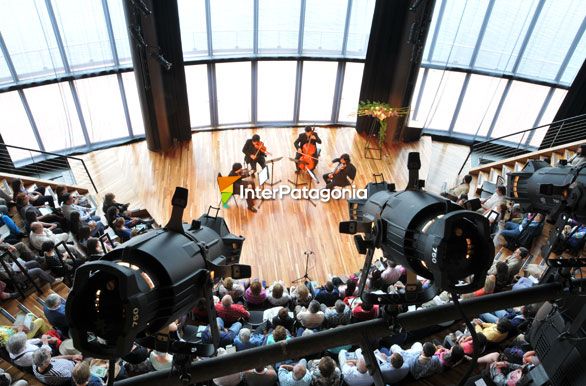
(427,234)
(143,285)
(539,187)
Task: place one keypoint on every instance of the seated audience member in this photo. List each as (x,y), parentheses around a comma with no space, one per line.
(572,238)
(494,332)
(279,334)
(365,311)
(579,158)
(54,311)
(247,339)
(328,294)
(68,206)
(505,373)
(161,360)
(6,379)
(81,376)
(458,190)
(311,317)
(392,273)
(465,341)
(137,361)
(255,294)
(32,267)
(230,312)
(301,296)
(426,364)
(261,376)
(325,372)
(338,315)
(6,295)
(21,349)
(497,198)
(354,371)
(121,230)
(409,355)
(37,197)
(16,234)
(110,201)
(60,191)
(295,375)
(283,319)
(394,369)
(53,371)
(449,357)
(93,249)
(60,267)
(31,213)
(277,295)
(462,200)
(39,235)
(348,290)
(227,380)
(502,276)
(227,335)
(229,287)
(514,263)
(78,228)
(489,285)
(518,317)
(531,226)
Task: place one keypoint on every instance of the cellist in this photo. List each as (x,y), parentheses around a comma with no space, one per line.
(255,152)
(309,136)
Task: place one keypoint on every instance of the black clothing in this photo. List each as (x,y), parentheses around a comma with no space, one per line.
(245,184)
(249,150)
(288,323)
(302,140)
(341,178)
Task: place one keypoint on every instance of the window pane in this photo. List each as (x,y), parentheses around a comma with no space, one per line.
(101,105)
(276,91)
(233,89)
(33,50)
(480,103)
(520,109)
(15,126)
(360,23)
(192,17)
(575,62)
(350,92)
(133,102)
(324,26)
(548,116)
(556,28)
(87,44)
(317,91)
(458,32)
(5,76)
(278,26)
(232,24)
(196,78)
(55,116)
(504,34)
(120,32)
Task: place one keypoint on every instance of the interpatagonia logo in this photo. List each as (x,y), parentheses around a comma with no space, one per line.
(226,185)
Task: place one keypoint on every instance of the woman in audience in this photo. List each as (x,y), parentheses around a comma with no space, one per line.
(255,294)
(301,295)
(501,277)
(93,249)
(31,214)
(279,334)
(449,357)
(283,319)
(110,201)
(121,230)
(277,295)
(37,197)
(229,287)
(325,372)
(16,234)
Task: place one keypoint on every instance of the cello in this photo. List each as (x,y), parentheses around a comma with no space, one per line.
(307,161)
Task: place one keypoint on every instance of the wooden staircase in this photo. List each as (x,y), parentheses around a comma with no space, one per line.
(492,171)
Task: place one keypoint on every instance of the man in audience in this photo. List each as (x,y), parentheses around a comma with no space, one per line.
(296,375)
(39,235)
(494,333)
(54,310)
(32,266)
(325,372)
(247,339)
(354,371)
(458,190)
(579,158)
(365,311)
(497,198)
(532,223)
(81,376)
(21,349)
(229,287)
(328,294)
(283,319)
(261,376)
(426,364)
(49,220)
(338,315)
(514,263)
(68,206)
(230,312)
(312,317)
(227,335)
(394,369)
(53,371)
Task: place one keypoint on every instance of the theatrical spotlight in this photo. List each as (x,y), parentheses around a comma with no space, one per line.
(427,234)
(143,285)
(538,187)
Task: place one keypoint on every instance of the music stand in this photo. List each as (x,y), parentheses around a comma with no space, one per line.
(296,183)
(263,180)
(272,162)
(305,277)
(312,177)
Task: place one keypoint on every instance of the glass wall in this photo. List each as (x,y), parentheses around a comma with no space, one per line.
(491,68)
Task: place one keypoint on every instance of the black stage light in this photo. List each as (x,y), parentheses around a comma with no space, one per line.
(539,187)
(142,286)
(427,234)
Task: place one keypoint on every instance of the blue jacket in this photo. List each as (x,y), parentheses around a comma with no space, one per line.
(6,220)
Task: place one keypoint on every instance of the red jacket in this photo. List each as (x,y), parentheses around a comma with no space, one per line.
(232,313)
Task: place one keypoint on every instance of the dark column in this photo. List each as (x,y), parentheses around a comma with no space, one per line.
(397,39)
(155,34)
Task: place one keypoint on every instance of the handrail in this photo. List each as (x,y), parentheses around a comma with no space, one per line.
(68,157)
(477,145)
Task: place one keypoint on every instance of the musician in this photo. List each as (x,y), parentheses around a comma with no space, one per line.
(238,170)
(343,175)
(252,154)
(309,136)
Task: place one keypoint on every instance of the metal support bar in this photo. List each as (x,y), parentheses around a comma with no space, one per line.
(301,27)
(351,334)
(298,85)
(31,119)
(528,34)
(338,91)
(212,94)
(77,104)
(110,32)
(438,23)
(125,104)
(347,27)
(58,38)
(209,27)
(253,92)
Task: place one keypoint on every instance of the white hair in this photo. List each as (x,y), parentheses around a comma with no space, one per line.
(41,356)
(16,343)
(244,335)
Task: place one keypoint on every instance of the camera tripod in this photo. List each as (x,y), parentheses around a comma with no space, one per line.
(305,276)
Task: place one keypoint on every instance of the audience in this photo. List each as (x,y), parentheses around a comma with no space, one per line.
(247,339)
(53,371)
(497,198)
(39,235)
(277,295)
(54,310)
(338,315)
(229,287)
(312,317)
(328,294)
(82,377)
(255,294)
(325,372)
(354,371)
(296,375)
(426,364)
(231,312)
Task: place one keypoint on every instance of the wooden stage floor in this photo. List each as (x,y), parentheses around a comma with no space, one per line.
(278,235)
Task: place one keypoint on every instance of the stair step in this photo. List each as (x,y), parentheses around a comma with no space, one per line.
(494,174)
